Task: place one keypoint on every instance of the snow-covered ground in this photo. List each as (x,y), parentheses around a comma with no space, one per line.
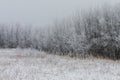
(18,64)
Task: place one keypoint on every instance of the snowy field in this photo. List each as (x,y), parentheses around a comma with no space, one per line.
(17,64)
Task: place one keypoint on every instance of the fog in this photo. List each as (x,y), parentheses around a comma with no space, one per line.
(43,12)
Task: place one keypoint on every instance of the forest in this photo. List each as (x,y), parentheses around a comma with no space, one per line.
(95,32)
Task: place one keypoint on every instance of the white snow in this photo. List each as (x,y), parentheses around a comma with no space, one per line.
(18,64)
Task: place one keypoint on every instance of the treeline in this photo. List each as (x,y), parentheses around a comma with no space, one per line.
(96,33)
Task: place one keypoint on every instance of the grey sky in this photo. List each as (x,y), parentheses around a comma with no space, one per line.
(43,12)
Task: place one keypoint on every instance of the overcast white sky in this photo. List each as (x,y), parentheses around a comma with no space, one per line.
(43,12)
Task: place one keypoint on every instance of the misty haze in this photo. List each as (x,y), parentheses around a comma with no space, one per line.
(44,12)
(59,39)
